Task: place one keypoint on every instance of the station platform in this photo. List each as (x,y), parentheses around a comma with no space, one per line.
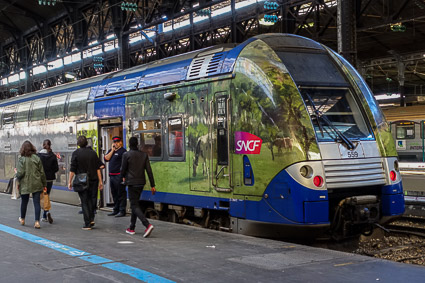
(63,252)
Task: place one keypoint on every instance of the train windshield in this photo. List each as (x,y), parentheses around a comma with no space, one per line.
(335,114)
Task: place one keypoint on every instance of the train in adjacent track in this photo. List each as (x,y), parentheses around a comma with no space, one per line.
(274,135)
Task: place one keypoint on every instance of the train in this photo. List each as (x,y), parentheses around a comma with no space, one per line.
(407,127)
(275,135)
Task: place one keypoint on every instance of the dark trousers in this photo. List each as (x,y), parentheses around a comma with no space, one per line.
(86,198)
(24,204)
(119,194)
(49,188)
(134,193)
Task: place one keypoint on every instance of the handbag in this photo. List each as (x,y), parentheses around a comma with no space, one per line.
(45,201)
(16,194)
(80,183)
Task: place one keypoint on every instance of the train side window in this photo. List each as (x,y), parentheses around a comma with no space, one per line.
(38,110)
(151,137)
(9,115)
(405,130)
(23,111)
(175,137)
(56,107)
(77,105)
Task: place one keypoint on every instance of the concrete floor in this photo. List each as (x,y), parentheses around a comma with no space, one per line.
(63,252)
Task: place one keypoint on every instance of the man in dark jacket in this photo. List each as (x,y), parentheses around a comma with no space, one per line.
(133,167)
(50,166)
(85,160)
(119,195)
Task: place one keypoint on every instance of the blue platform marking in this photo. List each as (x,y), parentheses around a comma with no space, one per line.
(136,273)
(107,263)
(44,242)
(95,259)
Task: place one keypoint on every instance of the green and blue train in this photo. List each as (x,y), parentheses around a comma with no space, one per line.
(276,134)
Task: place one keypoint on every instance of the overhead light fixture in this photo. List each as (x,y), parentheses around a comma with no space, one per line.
(265,23)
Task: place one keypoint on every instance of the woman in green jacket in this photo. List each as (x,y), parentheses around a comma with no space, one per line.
(32,180)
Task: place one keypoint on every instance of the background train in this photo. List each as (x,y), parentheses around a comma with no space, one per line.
(407,127)
(278,133)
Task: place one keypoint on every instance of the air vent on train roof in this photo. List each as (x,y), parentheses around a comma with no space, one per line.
(205,66)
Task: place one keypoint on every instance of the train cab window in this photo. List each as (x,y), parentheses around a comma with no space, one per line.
(175,137)
(151,137)
(405,130)
(339,112)
(9,115)
(23,111)
(56,107)
(77,104)
(38,110)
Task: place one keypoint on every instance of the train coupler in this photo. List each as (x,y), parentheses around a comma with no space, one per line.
(355,215)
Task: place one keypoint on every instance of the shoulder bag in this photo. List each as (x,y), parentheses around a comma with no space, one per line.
(81,182)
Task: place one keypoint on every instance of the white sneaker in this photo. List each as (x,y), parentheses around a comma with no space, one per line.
(148,231)
(44,219)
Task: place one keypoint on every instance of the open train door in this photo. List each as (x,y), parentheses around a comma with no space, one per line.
(220,146)
(108,128)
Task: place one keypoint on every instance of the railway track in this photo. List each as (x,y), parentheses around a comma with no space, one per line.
(408,224)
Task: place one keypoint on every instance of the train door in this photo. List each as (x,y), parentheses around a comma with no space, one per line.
(108,129)
(221,178)
(199,142)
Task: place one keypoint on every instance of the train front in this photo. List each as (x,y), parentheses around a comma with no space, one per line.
(327,157)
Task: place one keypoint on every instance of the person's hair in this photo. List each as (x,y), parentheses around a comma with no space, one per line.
(27,149)
(47,144)
(82,141)
(133,142)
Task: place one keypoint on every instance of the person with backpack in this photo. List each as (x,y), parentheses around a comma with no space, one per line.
(50,165)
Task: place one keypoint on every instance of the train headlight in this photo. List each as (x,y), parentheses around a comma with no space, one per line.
(318,181)
(393,175)
(306,171)
(396,167)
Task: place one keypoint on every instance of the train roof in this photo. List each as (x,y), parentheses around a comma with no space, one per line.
(211,61)
(409,113)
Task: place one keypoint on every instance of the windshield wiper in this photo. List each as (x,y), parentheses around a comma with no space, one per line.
(319,114)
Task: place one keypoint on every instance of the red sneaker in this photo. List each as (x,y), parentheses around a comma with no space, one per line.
(148,231)
(129,231)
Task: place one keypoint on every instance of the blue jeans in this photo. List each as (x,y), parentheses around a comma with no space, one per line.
(24,204)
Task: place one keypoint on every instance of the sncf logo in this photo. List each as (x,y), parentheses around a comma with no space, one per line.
(246,143)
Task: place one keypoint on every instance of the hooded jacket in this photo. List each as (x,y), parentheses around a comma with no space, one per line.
(50,164)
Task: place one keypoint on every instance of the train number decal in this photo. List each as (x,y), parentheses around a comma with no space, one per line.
(246,143)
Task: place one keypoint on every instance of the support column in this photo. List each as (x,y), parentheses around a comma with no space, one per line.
(346,25)
(401,67)
(234,29)
(123,49)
